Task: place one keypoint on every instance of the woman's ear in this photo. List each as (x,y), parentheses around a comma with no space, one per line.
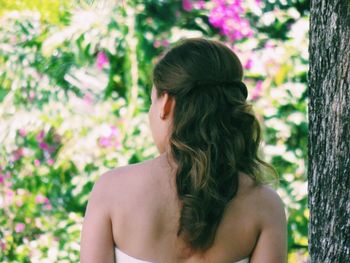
(167,104)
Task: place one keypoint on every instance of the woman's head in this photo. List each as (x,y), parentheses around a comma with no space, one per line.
(179,72)
(199,115)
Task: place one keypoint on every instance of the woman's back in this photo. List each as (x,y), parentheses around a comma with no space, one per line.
(145,217)
(201,122)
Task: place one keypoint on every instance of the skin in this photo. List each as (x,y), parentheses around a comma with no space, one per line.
(160,119)
(135,208)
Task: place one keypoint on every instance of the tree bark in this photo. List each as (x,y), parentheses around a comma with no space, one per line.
(329,131)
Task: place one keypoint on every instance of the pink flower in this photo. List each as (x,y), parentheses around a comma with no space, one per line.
(17,154)
(48,206)
(9,196)
(88,98)
(269,44)
(103,141)
(40,136)
(248,64)
(40,199)
(22,132)
(36,162)
(31,96)
(50,161)
(257,91)
(19,227)
(187,5)
(111,139)
(199,4)
(51,149)
(226,16)
(19,203)
(165,43)
(216,17)
(43,146)
(159,43)
(2,245)
(9,193)
(114,131)
(101,60)
(3,177)
(156,43)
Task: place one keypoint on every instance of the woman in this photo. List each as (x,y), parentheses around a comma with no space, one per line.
(203,199)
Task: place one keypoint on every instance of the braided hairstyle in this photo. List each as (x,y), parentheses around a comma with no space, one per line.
(215,133)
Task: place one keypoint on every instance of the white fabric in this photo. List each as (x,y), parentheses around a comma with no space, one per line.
(121,257)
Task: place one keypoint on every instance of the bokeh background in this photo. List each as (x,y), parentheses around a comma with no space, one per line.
(75,81)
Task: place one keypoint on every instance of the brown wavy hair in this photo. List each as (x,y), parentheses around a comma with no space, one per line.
(215,133)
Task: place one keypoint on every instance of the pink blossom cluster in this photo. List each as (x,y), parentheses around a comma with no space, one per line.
(111,139)
(159,43)
(88,98)
(4,176)
(40,199)
(101,60)
(2,245)
(256,93)
(18,154)
(188,5)
(226,15)
(19,227)
(48,149)
(6,184)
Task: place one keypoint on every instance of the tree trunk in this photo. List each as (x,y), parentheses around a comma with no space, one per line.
(329,131)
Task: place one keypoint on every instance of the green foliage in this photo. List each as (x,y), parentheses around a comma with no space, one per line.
(52,11)
(74,96)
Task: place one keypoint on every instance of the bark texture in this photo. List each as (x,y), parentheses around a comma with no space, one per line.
(329,131)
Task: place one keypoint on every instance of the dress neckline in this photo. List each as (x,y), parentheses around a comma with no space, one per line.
(131,259)
(125,256)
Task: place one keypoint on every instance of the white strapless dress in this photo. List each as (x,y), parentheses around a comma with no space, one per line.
(121,257)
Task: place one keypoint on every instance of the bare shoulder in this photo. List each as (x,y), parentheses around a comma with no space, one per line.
(114,177)
(272,242)
(124,173)
(124,182)
(269,204)
(264,202)
(107,185)
(268,194)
